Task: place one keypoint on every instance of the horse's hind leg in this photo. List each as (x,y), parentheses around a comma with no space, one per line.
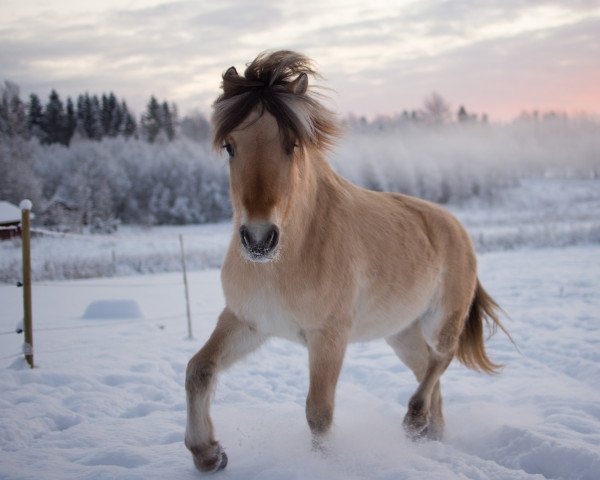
(424,417)
(230,341)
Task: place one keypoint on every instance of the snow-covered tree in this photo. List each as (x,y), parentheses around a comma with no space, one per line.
(195,127)
(18,179)
(13,118)
(436,110)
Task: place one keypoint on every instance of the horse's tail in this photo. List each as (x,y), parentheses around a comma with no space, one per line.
(471,348)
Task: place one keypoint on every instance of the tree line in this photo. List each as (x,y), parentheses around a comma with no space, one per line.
(89,163)
(435,111)
(93,117)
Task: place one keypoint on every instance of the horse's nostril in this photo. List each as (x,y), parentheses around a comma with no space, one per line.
(245,237)
(273,238)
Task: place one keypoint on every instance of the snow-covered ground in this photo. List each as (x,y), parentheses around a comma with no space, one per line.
(107,397)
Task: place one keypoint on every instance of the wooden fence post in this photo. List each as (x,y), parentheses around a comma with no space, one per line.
(114,261)
(26,244)
(185,282)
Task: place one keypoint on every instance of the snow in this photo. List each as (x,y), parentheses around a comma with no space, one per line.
(113,309)
(9,213)
(107,400)
(25,205)
(131,250)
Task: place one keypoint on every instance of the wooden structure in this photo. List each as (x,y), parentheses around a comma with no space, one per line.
(10,221)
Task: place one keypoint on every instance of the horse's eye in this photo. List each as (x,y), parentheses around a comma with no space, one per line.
(229,149)
(289,148)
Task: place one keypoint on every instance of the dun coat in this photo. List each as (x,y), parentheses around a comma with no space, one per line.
(320,261)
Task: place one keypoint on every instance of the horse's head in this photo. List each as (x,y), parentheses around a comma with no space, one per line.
(266,122)
(263,173)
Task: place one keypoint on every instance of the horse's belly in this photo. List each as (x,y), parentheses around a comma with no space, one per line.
(382,317)
(380,324)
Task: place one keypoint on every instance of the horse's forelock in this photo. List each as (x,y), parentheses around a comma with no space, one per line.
(266,84)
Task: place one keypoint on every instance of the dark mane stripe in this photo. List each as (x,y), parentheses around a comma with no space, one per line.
(302,119)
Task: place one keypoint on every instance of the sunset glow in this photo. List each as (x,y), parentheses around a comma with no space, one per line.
(384,57)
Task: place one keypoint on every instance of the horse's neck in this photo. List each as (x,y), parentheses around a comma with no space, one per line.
(313,197)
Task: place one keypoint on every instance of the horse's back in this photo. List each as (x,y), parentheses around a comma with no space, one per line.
(397,230)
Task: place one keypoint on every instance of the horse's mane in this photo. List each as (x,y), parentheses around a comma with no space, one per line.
(270,83)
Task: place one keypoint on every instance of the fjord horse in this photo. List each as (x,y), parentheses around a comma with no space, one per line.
(320,261)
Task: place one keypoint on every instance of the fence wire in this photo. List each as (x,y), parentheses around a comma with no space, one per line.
(108,323)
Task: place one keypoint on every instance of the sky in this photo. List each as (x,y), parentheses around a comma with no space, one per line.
(378,57)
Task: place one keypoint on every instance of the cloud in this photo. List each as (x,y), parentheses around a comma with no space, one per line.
(177,50)
(549,70)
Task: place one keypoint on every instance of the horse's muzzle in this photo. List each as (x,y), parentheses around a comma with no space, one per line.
(259,241)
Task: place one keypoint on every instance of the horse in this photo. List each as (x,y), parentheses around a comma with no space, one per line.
(318,260)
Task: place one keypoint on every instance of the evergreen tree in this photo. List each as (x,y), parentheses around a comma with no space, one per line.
(106,114)
(54,119)
(116,117)
(151,120)
(168,120)
(89,120)
(111,115)
(95,119)
(80,115)
(462,115)
(128,124)
(71,122)
(35,118)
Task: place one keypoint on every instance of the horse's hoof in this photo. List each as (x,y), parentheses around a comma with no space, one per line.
(435,433)
(319,446)
(224,460)
(210,460)
(416,428)
(417,435)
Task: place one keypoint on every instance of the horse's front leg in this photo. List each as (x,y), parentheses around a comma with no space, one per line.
(230,341)
(326,350)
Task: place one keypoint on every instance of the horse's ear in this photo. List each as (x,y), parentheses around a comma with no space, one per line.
(299,85)
(231,72)
(229,75)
